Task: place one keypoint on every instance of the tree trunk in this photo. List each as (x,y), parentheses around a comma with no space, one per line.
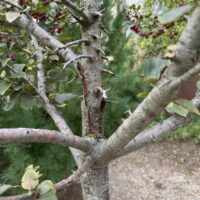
(95,182)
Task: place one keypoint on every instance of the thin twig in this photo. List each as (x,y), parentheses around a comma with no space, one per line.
(77,10)
(109,72)
(75,59)
(74,43)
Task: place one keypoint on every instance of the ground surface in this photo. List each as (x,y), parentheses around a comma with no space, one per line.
(164,171)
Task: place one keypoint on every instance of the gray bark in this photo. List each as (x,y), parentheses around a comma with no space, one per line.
(95,181)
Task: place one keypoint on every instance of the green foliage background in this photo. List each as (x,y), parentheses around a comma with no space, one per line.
(56,162)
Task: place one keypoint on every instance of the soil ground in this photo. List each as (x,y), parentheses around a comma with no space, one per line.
(163,171)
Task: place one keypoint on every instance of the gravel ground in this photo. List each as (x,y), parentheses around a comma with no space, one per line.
(163,171)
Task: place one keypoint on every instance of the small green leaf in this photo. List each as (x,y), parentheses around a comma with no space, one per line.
(143,94)
(9,104)
(30,178)
(61,98)
(3,74)
(18,71)
(174,108)
(153,67)
(54,57)
(198,85)
(61,105)
(4,86)
(48,196)
(2,45)
(18,67)
(5,62)
(46,186)
(150,81)
(12,16)
(187,105)
(4,188)
(47,190)
(27,102)
(174,14)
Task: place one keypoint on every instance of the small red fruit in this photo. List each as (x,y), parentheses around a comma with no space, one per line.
(11,57)
(59,29)
(135,28)
(46,2)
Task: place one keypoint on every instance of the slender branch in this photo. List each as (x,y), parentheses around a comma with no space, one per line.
(48,40)
(28,135)
(89,162)
(78,11)
(75,59)
(74,43)
(58,186)
(158,132)
(109,72)
(51,110)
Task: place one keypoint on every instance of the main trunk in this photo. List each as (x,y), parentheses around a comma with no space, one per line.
(95,182)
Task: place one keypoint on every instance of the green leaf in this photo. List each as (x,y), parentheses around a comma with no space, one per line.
(30,178)
(54,57)
(198,85)
(18,67)
(151,81)
(143,94)
(174,108)
(18,71)
(12,16)
(47,190)
(5,62)
(4,188)
(3,74)
(174,14)
(46,186)
(48,196)
(27,102)
(4,86)
(9,104)
(3,45)
(187,105)
(153,67)
(61,98)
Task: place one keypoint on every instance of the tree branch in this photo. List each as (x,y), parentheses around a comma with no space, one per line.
(75,59)
(58,186)
(48,40)
(78,11)
(159,97)
(73,43)
(28,135)
(51,110)
(158,132)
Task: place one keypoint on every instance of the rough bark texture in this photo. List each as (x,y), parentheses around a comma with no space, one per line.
(95,184)
(95,181)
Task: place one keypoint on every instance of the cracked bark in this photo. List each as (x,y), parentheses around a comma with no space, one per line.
(94,182)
